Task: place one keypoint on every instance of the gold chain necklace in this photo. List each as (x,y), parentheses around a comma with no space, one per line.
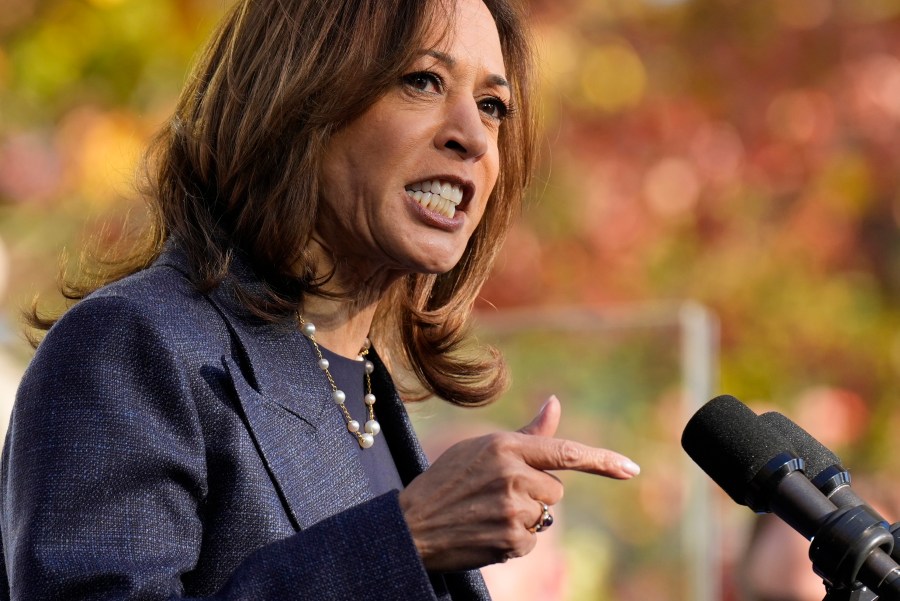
(366,438)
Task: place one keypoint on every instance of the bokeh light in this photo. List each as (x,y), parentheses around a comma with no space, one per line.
(743,155)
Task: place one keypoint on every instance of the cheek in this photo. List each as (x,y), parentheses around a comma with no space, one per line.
(335,164)
(350,170)
(493,162)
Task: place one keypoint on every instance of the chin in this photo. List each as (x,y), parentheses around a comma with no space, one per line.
(436,266)
(434,269)
(433,259)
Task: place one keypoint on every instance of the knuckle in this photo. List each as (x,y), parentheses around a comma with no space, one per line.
(509,512)
(498,443)
(511,475)
(523,545)
(516,543)
(507,487)
(555,493)
(508,541)
(570,453)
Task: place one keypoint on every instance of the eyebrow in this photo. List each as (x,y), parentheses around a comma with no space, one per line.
(493,78)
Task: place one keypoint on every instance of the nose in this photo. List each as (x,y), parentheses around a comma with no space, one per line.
(462,131)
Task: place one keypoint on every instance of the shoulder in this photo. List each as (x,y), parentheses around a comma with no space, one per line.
(161,288)
(158,308)
(148,340)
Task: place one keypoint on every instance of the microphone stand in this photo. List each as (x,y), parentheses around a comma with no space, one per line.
(857,593)
(867,537)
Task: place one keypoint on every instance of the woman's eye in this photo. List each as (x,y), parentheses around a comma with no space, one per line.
(494,108)
(423,81)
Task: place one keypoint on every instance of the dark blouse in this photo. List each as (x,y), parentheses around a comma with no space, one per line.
(377,462)
(349,375)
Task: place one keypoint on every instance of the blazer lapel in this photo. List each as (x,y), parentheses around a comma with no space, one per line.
(315,470)
(286,402)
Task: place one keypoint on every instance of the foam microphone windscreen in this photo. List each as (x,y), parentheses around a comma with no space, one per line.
(730,443)
(817,456)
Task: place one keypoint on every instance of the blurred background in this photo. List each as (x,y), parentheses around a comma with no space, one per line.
(716,210)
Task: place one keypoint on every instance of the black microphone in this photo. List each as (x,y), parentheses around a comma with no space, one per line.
(826,472)
(823,467)
(759,468)
(753,464)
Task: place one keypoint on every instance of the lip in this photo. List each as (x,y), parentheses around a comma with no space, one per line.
(435,220)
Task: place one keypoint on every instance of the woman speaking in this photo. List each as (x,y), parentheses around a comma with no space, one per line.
(215,416)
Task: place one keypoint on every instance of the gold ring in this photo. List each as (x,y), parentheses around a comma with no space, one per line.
(543,522)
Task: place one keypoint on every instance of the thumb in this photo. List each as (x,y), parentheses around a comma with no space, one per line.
(547,419)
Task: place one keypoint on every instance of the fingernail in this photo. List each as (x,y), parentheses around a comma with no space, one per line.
(630,467)
(547,402)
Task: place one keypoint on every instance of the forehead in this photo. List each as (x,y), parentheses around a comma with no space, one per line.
(465,31)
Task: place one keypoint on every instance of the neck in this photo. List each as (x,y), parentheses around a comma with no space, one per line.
(341,326)
(343,322)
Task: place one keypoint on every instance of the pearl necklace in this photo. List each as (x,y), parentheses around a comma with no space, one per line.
(372,428)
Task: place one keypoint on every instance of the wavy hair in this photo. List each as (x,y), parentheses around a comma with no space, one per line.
(236,171)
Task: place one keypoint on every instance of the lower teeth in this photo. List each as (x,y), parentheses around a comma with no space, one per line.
(449,212)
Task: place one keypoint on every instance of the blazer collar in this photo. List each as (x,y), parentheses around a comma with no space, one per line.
(286,401)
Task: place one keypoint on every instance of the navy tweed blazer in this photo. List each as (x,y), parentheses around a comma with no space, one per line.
(165,445)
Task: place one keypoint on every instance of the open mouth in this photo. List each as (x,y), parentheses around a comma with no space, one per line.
(440,196)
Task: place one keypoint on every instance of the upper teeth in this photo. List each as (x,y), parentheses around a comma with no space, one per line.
(438,196)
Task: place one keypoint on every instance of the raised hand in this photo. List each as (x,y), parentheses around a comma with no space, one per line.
(477,504)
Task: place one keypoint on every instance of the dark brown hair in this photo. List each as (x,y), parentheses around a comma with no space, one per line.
(236,169)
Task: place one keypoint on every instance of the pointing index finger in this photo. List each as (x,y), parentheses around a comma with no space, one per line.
(560,454)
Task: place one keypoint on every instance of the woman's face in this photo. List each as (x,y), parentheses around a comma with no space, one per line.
(405,184)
